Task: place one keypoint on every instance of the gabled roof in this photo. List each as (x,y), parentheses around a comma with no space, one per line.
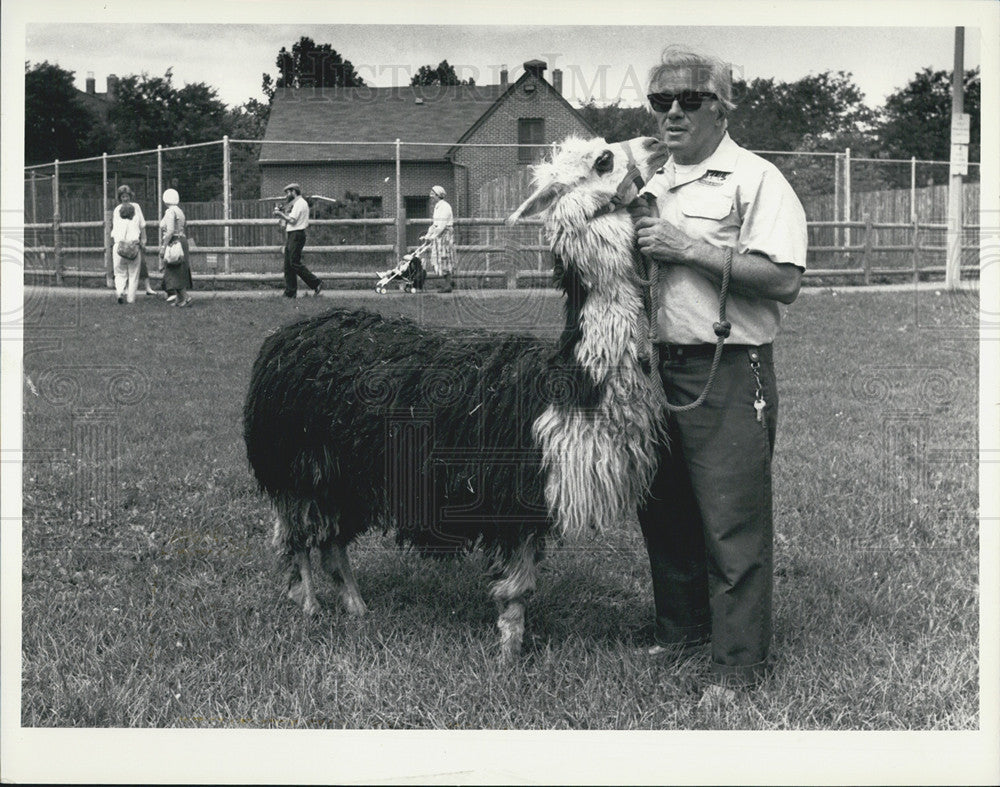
(536,77)
(371,114)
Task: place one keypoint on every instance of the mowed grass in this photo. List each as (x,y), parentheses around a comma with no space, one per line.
(151,597)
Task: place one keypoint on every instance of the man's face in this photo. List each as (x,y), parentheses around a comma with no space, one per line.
(289,195)
(691,135)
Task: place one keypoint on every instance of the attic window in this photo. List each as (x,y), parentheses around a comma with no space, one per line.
(529,87)
(530,131)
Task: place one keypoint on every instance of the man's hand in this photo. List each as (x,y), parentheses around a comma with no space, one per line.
(662,241)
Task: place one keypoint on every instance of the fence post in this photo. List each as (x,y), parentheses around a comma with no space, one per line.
(34,211)
(847,195)
(109,270)
(866,260)
(913,189)
(159,185)
(226,200)
(56,232)
(837,231)
(916,251)
(400,211)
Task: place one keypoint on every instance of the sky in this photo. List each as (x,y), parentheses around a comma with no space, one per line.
(600,61)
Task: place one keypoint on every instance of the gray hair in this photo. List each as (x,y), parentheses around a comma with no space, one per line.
(703,71)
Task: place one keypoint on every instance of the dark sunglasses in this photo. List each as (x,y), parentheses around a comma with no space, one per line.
(689,100)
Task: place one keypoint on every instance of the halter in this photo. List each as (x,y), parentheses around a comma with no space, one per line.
(632,177)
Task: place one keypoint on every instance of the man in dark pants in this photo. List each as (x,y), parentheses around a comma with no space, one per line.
(708,521)
(296,219)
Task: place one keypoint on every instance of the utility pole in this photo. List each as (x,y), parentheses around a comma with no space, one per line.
(959,165)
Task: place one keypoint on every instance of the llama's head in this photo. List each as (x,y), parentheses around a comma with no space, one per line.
(585,176)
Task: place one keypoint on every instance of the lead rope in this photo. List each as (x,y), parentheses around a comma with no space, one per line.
(722,329)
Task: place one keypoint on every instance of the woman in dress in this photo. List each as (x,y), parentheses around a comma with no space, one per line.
(176,275)
(442,237)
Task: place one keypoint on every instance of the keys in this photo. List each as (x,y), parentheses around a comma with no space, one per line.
(759,405)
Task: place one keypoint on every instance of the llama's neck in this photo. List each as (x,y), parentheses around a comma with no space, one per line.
(611,320)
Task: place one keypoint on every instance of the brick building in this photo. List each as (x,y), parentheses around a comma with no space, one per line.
(447,120)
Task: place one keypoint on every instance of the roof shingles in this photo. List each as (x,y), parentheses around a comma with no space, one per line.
(438,114)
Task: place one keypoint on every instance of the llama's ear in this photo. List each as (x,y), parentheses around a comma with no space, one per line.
(538,202)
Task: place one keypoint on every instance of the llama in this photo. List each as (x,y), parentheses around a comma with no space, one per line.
(461,440)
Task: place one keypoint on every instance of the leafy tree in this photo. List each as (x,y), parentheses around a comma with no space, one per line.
(615,122)
(309,65)
(56,124)
(916,120)
(826,108)
(441,74)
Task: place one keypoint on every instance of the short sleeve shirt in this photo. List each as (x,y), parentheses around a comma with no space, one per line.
(299,213)
(737,199)
(127,229)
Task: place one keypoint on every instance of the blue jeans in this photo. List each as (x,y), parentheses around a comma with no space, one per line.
(708,521)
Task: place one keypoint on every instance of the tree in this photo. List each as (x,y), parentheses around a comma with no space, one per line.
(441,74)
(827,108)
(616,123)
(309,65)
(916,120)
(56,124)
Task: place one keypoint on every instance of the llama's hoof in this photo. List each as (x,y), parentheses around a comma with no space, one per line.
(298,594)
(354,605)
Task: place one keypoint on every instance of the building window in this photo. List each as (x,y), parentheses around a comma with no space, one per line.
(530,131)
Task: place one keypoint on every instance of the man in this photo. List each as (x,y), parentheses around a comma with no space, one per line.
(708,521)
(296,220)
(126,197)
(442,236)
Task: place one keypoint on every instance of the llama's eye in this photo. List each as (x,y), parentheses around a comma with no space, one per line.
(605,162)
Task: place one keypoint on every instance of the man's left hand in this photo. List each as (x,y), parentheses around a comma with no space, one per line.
(662,241)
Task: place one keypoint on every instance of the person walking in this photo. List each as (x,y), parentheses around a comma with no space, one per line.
(708,519)
(126,197)
(442,236)
(296,220)
(176,273)
(125,242)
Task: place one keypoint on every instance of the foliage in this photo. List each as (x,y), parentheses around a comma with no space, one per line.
(441,74)
(615,122)
(57,125)
(916,120)
(822,111)
(309,65)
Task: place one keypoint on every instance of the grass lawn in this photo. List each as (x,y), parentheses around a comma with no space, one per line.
(151,598)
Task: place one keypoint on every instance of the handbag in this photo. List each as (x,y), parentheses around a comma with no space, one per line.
(174,253)
(127,249)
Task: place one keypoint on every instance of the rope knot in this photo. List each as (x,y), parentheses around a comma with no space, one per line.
(722,328)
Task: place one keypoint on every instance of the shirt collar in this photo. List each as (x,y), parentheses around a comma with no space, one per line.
(722,159)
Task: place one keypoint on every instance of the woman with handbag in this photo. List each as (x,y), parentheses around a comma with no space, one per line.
(126,197)
(126,243)
(174,254)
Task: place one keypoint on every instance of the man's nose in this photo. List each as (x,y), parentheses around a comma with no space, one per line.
(675,112)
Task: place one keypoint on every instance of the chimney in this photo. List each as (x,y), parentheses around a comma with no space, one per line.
(503,75)
(536,68)
(112,87)
(91,84)
(557,80)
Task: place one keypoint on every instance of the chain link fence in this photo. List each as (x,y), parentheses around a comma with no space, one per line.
(369,205)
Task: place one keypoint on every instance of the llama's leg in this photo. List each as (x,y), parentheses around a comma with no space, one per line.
(335,561)
(510,593)
(302,592)
(296,562)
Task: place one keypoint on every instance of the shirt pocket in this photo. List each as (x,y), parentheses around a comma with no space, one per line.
(713,207)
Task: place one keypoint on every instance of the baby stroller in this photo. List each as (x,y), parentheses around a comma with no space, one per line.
(409,274)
